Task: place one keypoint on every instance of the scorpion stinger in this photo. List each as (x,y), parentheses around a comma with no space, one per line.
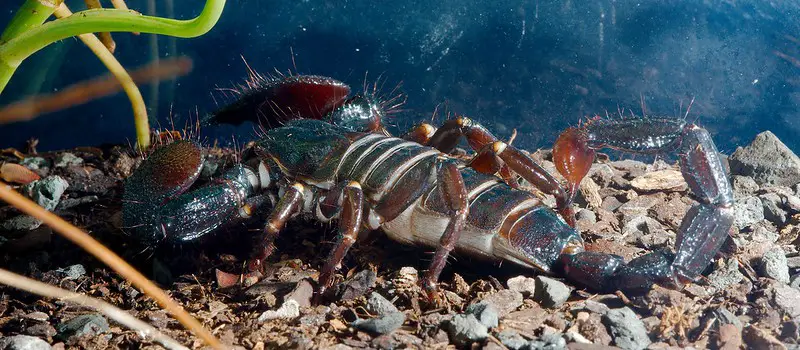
(704,228)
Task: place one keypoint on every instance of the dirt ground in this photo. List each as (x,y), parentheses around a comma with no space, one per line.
(749,296)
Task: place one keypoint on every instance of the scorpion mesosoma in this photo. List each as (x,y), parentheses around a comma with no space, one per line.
(331,159)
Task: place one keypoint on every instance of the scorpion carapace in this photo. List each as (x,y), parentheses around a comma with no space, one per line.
(418,193)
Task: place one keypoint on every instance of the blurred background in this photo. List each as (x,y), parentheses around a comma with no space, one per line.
(535,66)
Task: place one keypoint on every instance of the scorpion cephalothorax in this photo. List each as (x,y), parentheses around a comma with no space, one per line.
(329,168)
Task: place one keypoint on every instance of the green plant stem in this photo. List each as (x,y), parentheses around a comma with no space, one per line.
(26,43)
(31,15)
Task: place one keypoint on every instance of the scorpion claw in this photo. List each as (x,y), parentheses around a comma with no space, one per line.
(704,227)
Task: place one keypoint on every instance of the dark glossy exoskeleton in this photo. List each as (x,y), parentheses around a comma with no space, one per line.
(343,166)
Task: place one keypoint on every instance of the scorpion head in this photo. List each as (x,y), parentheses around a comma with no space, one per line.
(305,147)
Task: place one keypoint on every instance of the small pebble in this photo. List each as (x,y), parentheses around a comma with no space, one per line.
(747,211)
(34,163)
(23,342)
(551,341)
(787,299)
(72,272)
(357,285)
(378,305)
(83,325)
(504,301)
(512,339)
(774,265)
(627,330)
(485,313)
(465,329)
(381,325)
(725,275)
(724,317)
(757,338)
(21,223)
(301,293)
(522,284)
(47,192)
(550,292)
(67,159)
(773,210)
(290,309)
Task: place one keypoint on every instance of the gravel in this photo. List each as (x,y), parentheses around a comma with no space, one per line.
(512,339)
(522,284)
(385,324)
(23,342)
(627,330)
(774,265)
(550,292)
(47,192)
(767,160)
(485,312)
(83,326)
(464,329)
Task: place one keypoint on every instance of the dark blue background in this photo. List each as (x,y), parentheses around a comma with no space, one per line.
(537,66)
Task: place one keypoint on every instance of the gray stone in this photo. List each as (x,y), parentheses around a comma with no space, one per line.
(47,192)
(774,265)
(485,312)
(34,163)
(23,342)
(747,211)
(586,215)
(788,300)
(793,204)
(743,186)
(639,206)
(795,283)
(289,309)
(465,329)
(381,325)
(83,325)
(767,160)
(357,285)
(726,275)
(522,284)
(301,293)
(66,159)
(550,341)
(72,272)
(504,301)
(633,168)
(512,339)
(21,223)
(627,330)
(724,316)
(550,292)
(773,210)
(378,305)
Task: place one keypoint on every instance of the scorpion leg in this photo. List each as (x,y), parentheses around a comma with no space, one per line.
(420,134)
(704,227)
(495,156)
(455,195)
(349,225)
(289,204)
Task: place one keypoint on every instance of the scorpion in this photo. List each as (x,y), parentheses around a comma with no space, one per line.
(331,159)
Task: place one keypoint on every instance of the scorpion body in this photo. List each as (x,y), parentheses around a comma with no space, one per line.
(344,167)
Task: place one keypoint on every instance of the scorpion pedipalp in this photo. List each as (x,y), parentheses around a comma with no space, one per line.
(705,226)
